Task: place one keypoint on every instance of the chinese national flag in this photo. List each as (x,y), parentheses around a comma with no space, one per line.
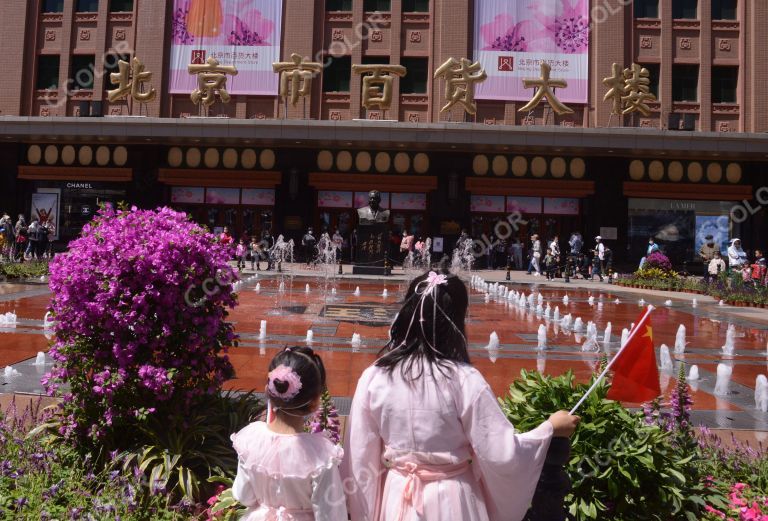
(635,375)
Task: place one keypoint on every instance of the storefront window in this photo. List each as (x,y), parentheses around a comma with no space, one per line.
(679,227)
(81,201)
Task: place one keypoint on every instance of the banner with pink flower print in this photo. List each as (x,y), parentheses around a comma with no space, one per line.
(513,37)
(243,33)
(487,203)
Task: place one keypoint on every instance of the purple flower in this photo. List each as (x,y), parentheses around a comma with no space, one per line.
(569,27)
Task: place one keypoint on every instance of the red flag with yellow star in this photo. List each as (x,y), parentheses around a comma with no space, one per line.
(635,375)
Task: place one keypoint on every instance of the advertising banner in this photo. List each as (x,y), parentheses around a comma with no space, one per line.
(513,37)
(45,208)
(243,33)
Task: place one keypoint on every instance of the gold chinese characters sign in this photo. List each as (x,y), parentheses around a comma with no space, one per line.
(211,79)
(629,90)
(130,80)
(460,78)
(544,86)
(296,77)
(377,84)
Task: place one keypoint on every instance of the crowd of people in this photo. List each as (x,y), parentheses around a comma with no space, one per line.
(20,241)
(451,455)
(753,271)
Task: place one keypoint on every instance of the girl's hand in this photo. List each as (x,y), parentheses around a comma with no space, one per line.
(564,424)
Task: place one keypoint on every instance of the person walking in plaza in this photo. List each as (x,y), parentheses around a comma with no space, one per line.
(225,237)
(707,253)
(33,237)
(353,245)
(241,251)
(598,261)
(338,243)
(550,265)
(554,246)
(758,269)
(652,248)
(283,472)
(533,265)
(737,257)
(267,246)
(716,266)
(426,438)
(255,248)
(308,242)
(405,245)
(516,252)
(21,231)
(9,237)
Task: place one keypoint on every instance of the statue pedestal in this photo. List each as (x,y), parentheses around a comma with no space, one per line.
(371,252)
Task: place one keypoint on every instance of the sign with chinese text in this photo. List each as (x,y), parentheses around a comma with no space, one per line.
(245,34)
(514,37)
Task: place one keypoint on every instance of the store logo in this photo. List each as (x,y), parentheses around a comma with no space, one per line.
(198,57)
(79,185)
(506,63)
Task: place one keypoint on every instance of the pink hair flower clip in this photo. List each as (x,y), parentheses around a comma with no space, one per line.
(287,375)
(434,280)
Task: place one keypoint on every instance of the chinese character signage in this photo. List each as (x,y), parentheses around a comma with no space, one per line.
(513,38)
(244,34)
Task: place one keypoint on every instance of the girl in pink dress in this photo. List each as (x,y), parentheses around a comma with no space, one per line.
(426,439)
(284,473)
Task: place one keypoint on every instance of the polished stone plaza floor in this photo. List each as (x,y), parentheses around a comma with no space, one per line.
(334,312)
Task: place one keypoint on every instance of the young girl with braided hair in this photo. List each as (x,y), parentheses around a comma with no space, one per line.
(426,439)
(284,473)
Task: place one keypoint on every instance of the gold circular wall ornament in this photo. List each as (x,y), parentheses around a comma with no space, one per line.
(421,163)
(733,173)
(500,166)
(193,157)
(120,156)
(85,155)
(480,164)
(402,163)
(229,158)
(656,171)
(325,160)
(675,171)
(211,158)
(175,157)
(714,173)
(51,154)
(539,166)
(68,155)
(267,159)
(248,159)
(34,154)
(363,161)
(578,168)
(344,161)
(383,162)
(557,167)
(636,170)
(102,156)
(695,172)
(519,166)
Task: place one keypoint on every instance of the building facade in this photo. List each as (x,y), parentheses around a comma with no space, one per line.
(255,163)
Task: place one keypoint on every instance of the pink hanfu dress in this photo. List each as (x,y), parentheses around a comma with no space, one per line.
(288,477)
(437,449)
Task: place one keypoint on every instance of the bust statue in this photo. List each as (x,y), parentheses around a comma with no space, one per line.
(373,213)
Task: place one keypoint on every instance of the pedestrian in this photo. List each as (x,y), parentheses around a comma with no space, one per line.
(241,251)
(338,243)
(575,254)
(550,265)
(284,472)
(533,265)
(353,245)
(490,253)
(758,268)
(33,238)
(426,438)
(500,253)
(267,245)
(652,248)
(598,258)
(308,243)
(255,249)
(716,266)
(554,245)
(737,258)
(43,234)
(9,237)
(517,253)
(20,231)
(405,245)
(707,253)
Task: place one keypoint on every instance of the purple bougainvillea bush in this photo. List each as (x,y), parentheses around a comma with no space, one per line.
(658,260)
(141,302)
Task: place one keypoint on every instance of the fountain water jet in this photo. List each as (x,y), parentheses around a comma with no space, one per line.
(541,338)
(666,359)
(680,342)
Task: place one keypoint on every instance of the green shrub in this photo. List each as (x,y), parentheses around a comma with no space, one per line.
(24,270)
(621,467)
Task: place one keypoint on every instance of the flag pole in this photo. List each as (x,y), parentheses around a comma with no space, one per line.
(610,364)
